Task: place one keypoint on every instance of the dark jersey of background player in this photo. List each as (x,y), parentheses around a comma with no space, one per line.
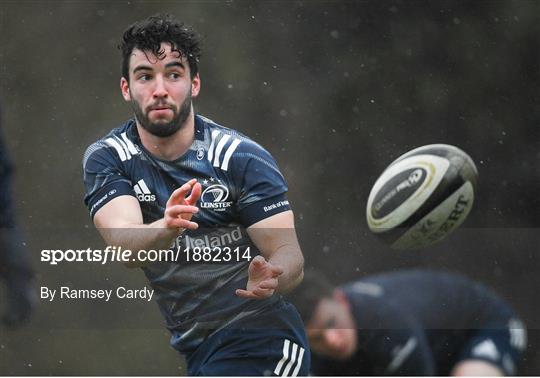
(423,323)
(14,262)
(241,185)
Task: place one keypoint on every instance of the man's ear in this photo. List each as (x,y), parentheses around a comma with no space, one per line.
(195,85)
(124,87)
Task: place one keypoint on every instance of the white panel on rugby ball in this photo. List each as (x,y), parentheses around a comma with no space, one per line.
(433,169)
(422,196)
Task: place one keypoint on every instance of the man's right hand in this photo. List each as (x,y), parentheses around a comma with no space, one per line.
(120,221)
(181,206)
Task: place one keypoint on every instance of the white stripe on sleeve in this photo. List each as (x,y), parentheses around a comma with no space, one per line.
(124,147)
(292,361)
(229,153)
(299,363)
(284,358)
(117,147)
(215,133)
(130,145)
(219,148)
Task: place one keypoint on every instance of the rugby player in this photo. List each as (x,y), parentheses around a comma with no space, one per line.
(15,267)
(170,177)
(412,322)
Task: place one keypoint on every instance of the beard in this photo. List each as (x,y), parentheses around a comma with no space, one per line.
(162,128)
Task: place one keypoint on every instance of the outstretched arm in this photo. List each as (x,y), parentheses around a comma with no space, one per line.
(120,222)
(281,266)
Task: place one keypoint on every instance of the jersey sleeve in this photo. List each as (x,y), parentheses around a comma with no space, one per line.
(103,176)
(262,187)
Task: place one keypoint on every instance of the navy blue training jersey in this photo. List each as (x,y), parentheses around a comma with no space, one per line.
(420,322)
(241,185)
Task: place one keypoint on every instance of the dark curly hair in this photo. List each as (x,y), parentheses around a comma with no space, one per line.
(148,34)
(306,296)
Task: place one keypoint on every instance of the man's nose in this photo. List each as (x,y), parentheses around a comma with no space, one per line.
(334,338)
(160,91)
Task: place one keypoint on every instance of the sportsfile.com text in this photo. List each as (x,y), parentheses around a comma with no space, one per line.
(122,255)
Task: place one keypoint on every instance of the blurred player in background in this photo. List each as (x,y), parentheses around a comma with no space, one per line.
(170,177)
(416,322)
(15,266)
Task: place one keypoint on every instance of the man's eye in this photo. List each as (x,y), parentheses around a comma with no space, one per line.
(330,323)
(174,75)
(144,77)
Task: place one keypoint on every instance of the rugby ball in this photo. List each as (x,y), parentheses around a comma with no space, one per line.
(422,196)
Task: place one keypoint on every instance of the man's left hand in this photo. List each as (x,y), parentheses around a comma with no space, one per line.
(262,280)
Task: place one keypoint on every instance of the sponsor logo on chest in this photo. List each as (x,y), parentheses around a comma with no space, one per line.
(215,196)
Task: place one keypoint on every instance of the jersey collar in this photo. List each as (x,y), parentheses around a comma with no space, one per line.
(199,127)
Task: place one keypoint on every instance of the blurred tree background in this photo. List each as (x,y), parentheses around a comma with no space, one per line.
(335,90)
